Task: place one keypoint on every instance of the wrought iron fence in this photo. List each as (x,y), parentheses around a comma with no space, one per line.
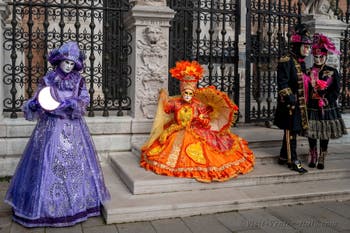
(37,26)
(207,31)
(269,23)
(343,13)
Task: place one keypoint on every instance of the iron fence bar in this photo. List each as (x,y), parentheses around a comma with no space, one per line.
(30,24)
(258,62)
(236,53)
(46,33)
(211,32)
(345,61)
(269,65)
(92,60)
(222,57)
(248,62)
(120,64)
(61,23)
(106,59)
(13,90)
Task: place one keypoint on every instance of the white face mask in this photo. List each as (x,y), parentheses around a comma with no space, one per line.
(187,95)
(67,66)
(320,59)
(305,50)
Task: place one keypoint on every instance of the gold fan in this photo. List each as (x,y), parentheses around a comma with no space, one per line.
(223,111)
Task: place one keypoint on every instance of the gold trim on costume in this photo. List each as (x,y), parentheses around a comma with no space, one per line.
(284,59)
(285,92)
(175,150)
(301,96)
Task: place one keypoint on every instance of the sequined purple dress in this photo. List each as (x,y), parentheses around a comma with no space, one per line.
(58,181)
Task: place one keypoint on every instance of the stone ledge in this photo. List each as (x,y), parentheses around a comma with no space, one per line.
(19,128)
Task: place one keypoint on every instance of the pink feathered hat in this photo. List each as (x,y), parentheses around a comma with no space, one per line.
(322,45)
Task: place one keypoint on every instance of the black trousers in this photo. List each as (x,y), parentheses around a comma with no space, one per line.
(293,146)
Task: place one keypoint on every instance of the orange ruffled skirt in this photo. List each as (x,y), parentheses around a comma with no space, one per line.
(185,154)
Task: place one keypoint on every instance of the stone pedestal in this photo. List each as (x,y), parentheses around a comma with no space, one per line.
(149,27)
(330,27)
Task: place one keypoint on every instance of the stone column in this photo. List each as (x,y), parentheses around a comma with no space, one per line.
(148,23)
(4,13)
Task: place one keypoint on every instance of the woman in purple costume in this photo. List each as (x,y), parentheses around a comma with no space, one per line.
(58,181)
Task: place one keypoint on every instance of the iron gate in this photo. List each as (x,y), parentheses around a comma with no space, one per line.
(343,12)
(269,23)
(37,26)
(207,31)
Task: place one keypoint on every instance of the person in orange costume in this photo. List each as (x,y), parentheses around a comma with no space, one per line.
(191,135)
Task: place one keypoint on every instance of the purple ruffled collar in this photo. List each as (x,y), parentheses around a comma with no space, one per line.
(65,81)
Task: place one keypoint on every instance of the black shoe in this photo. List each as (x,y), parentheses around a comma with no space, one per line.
(296,166)
(312,165)
(282,161)
(320,166)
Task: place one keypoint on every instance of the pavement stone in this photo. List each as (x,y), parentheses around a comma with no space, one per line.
(296,217)
(173,225)
(252,231)
(205,224)
(234,221)
(267,222)
(101,229)
(327,217)
(93,221)
(5,229)
(340,208)
(73,229)
(136,227)
(17,228)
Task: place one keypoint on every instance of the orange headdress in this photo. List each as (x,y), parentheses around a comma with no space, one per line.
(189,73)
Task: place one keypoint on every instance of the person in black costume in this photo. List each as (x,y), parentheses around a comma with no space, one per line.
(291,113)
(323,88)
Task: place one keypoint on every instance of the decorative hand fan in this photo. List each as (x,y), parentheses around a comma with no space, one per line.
(46,99)
(224,109)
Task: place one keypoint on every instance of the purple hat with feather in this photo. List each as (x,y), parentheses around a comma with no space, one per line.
(68,51)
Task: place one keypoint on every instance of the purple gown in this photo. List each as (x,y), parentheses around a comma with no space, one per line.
(58,181)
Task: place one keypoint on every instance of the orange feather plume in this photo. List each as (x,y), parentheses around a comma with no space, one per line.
(187,71)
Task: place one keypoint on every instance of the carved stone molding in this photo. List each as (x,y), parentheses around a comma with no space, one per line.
(153,54)
(4,11)
(149,2)
(319,8)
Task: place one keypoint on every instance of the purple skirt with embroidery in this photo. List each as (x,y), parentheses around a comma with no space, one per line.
(58,181)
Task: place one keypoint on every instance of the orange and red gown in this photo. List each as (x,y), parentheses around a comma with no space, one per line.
(186,146)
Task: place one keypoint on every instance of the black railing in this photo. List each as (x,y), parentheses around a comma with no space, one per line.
(343,14)
(269,23)
(207,31)
(37,26)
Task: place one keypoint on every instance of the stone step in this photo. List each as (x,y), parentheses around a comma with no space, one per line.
(127,207)
(140,181)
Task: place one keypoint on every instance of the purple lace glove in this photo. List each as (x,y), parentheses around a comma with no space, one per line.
(33,105)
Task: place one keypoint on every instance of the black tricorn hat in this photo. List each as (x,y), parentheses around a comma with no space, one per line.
(301,34)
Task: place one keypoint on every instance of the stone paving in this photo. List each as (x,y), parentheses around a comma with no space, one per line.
(327,217)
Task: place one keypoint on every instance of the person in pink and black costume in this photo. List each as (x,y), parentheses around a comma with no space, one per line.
(322,91)
(291,113)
